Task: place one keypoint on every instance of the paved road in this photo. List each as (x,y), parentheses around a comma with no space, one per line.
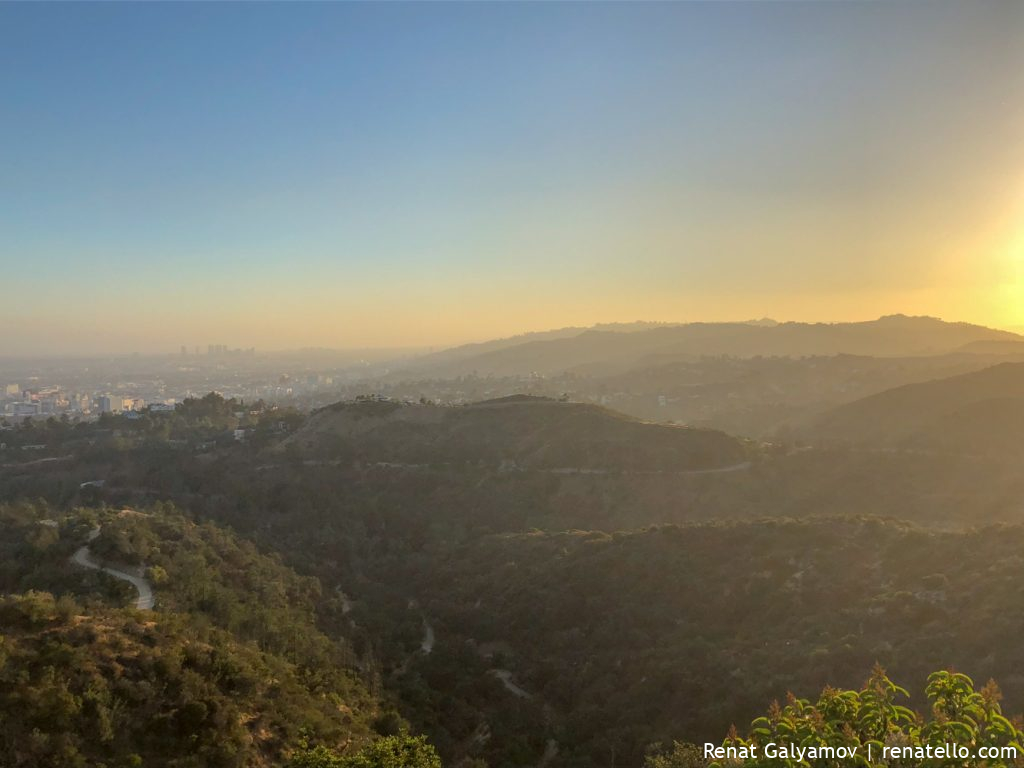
(84,558)
(740,467)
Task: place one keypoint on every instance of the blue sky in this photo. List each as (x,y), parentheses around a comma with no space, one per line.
(401,174)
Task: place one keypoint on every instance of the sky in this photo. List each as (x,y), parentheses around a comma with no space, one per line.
(353,175)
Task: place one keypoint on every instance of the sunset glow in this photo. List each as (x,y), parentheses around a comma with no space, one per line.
(348,175)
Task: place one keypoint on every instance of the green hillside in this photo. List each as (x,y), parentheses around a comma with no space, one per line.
(119,688)
(232,668)
(679,632)
(516,535)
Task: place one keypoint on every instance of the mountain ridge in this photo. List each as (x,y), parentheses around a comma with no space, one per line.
(602,349)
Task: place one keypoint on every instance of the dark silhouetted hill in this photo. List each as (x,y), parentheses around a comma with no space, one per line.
(515,432)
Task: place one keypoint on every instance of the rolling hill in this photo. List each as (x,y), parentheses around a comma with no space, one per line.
(979,412)
(517,432)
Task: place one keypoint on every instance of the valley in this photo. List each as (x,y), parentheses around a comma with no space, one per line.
(532,581)
(512,384)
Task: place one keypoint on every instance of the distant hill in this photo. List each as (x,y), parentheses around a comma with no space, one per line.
(977,412)
(514,432)
(605,351)
(1004,347)
(467,351)
(760,397)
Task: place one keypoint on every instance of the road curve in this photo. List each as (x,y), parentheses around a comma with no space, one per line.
(506,679)
(739,467)
(84,558)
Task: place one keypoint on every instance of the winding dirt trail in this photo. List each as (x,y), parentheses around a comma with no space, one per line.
(428,637)
(84,558)
(510,684)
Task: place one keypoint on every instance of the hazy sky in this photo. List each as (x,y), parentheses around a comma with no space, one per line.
(351,175)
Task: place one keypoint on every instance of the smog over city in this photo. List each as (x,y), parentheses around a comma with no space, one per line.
(539,384)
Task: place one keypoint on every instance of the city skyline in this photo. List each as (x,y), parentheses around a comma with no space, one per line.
(410,176)
(355,355)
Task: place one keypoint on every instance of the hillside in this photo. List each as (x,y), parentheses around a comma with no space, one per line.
(679,632)
(230,671)
(978,412)
(605,351)
(512,433)
(759,396)
(122,688)
(1006,347)
(600,640)
(618,639)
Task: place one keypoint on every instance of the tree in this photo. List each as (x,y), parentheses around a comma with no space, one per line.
(401,751)
(960,715)
(317,757)
(398,752)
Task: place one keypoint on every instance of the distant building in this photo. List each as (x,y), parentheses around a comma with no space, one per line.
(24,409)
(222,350)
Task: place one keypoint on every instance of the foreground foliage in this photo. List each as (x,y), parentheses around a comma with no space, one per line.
(958,714)
(391,752)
